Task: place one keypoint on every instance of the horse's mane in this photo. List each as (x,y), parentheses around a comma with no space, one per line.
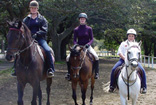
(26,30)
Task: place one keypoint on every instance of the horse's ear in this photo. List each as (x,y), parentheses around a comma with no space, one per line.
(69,47)
(9,23)
(140,43)
(19,24)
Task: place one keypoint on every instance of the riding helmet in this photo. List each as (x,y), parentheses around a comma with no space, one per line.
(131,31)
(83,15)
(34,3)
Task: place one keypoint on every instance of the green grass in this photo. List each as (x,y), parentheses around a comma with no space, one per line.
(2,72)
(60,62)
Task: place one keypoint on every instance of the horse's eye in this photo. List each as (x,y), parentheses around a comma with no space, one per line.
(129,52)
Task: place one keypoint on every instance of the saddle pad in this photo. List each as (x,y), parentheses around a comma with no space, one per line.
(40,52)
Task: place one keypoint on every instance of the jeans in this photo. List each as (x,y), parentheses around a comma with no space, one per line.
(45,46)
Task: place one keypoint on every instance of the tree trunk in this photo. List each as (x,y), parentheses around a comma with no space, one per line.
(154,49)
(56,48)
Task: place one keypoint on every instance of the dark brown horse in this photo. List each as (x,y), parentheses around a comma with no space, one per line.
(30,68)
(81,71)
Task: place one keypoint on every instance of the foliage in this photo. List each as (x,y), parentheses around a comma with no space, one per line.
(110,19)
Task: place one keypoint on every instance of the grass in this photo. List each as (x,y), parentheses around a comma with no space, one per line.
(60,62)
(2,72)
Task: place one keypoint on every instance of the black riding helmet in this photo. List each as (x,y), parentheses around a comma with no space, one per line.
(34,3)
(83,15)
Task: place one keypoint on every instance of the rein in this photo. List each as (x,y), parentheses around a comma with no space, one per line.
(20,51)
(127,81)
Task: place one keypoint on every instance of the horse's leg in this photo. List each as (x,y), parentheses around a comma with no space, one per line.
(20,88)
(49,82)
(92,88)
(123,100)
(35,92)
(40,95)
(74,85)
(83,90)
(134,100)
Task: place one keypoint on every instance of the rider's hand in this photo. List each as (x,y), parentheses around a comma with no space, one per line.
(74,46)
(34,36)
(87,46)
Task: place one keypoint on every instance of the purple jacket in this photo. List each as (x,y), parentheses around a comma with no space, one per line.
(83,34)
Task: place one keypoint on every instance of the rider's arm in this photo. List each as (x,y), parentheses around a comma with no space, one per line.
(91,36)
(121,51)
(121,56)
(75,37)
(43,28)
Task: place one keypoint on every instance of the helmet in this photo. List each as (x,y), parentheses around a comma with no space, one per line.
(83,15)
(34,3)
(131,31)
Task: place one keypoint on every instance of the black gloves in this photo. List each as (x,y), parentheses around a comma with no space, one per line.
(87,46)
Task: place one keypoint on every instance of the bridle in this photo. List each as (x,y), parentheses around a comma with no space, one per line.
(82,61)
(127,81)
(18,52)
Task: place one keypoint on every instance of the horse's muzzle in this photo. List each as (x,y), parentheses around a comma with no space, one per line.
(10,57)
(134,64)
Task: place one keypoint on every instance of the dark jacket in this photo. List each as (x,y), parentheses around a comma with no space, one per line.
(43,25)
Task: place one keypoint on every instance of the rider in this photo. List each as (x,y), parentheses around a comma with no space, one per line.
(38,26)
(83,35)
(131,34)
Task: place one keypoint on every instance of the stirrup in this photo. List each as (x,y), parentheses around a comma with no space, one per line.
(143,90)
(68,77)
(111,89)
(13,74)
(50,73)
(96,76)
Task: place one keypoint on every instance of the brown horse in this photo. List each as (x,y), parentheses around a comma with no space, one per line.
(81,71)
(30,67)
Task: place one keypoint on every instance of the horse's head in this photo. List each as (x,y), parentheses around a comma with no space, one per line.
(15,39)
(133,54)
(77,56)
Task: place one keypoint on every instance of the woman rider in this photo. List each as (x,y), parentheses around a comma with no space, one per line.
(131,34)
(38,26)
(83,35)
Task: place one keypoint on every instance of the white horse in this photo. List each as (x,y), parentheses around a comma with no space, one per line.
(129,82)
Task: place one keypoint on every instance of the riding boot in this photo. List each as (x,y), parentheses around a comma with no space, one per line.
(68,74)
(96,69)
(50,73)
(51,70)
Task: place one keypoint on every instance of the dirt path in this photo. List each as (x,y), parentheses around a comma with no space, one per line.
(61,89)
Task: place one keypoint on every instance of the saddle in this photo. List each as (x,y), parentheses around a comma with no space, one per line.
(92,59)
(43,54)
(118,71)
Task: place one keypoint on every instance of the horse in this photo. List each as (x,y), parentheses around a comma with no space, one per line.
(129,82)
(30,66)
(81,71)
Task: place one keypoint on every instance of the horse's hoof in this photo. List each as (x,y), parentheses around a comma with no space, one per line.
(91,103)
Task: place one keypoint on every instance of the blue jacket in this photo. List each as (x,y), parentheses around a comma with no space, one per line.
(43,25)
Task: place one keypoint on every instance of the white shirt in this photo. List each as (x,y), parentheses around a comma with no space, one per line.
(123,47)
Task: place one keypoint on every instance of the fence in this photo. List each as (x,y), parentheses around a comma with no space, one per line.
(148,61)
(107,54)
